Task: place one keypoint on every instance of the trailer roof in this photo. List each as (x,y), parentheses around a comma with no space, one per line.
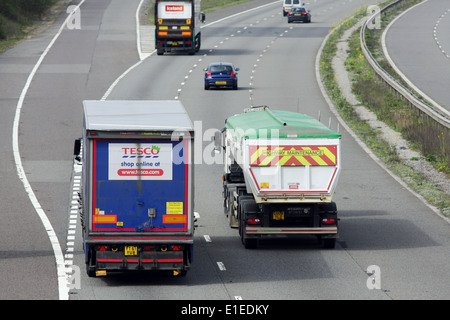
(136,115)
(265,123)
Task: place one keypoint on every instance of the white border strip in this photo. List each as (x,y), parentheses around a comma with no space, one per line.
(401,74)
(370,153)
(60,264)
(143,56)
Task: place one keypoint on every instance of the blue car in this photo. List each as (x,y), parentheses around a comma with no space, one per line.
(221,74)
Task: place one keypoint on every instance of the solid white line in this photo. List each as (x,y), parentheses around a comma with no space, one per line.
(400,73)
(238,14)
(143,57)
(369,152)
(59,257)
(138,31)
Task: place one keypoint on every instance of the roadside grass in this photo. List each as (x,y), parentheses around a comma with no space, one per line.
(212,5)
(206,7)
(424,134)
(19,17)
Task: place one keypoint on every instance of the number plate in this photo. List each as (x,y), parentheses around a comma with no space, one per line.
(278,215)
(174,43)
(130,250)
(221,82)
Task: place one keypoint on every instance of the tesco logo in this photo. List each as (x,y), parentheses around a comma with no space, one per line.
(129,152)
(174,8)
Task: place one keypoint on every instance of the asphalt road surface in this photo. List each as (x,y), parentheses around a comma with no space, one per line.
(382,223)
(419,45)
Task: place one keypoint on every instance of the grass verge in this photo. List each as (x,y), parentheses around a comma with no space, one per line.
(18,18)
(389,108)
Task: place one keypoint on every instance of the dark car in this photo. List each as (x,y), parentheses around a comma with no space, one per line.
(221,74)
(299,14)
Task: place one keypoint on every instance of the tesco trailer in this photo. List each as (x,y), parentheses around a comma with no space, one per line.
(281,171)
(137,197)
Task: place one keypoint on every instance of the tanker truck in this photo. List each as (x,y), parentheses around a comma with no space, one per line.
(280,173)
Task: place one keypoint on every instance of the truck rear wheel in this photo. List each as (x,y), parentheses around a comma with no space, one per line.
(90,269)
(244,207)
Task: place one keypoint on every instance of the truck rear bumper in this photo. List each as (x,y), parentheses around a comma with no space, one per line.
(143,240)
(290,231)
(145,261)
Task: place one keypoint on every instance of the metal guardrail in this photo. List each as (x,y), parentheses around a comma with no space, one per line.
(440,116)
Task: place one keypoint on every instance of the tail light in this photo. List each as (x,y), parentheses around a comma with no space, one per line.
(232,74)
(209,75)
(253,221)
(328,221)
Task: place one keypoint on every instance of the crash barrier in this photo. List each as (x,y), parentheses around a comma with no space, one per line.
(432,109)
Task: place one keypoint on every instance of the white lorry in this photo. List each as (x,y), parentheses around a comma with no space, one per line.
(177,26)
(280,172)
(137,186)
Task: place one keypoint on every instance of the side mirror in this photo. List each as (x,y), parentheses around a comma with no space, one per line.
(202,17)
(77,150)
(237,69)
(218,141)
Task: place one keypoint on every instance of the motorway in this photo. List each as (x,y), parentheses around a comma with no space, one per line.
(382,223)
(419,45)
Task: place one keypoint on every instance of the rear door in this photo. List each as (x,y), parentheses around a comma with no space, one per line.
(140,186)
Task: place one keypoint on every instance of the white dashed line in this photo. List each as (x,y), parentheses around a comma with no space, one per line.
(435,32)
(221,266)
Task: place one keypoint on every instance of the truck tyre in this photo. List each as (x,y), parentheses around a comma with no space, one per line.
(226,201)
(159,51)
(249,243)
(90,270)
(198,42)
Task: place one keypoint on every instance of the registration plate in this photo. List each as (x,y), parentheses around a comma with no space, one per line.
(221,82)
(278,215)
(174,43)
(130,251)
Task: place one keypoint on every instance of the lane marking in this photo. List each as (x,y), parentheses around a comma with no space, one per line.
(221,266)
(63,290)
(143,56)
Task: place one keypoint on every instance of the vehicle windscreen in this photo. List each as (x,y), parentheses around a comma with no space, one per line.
(221,69)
